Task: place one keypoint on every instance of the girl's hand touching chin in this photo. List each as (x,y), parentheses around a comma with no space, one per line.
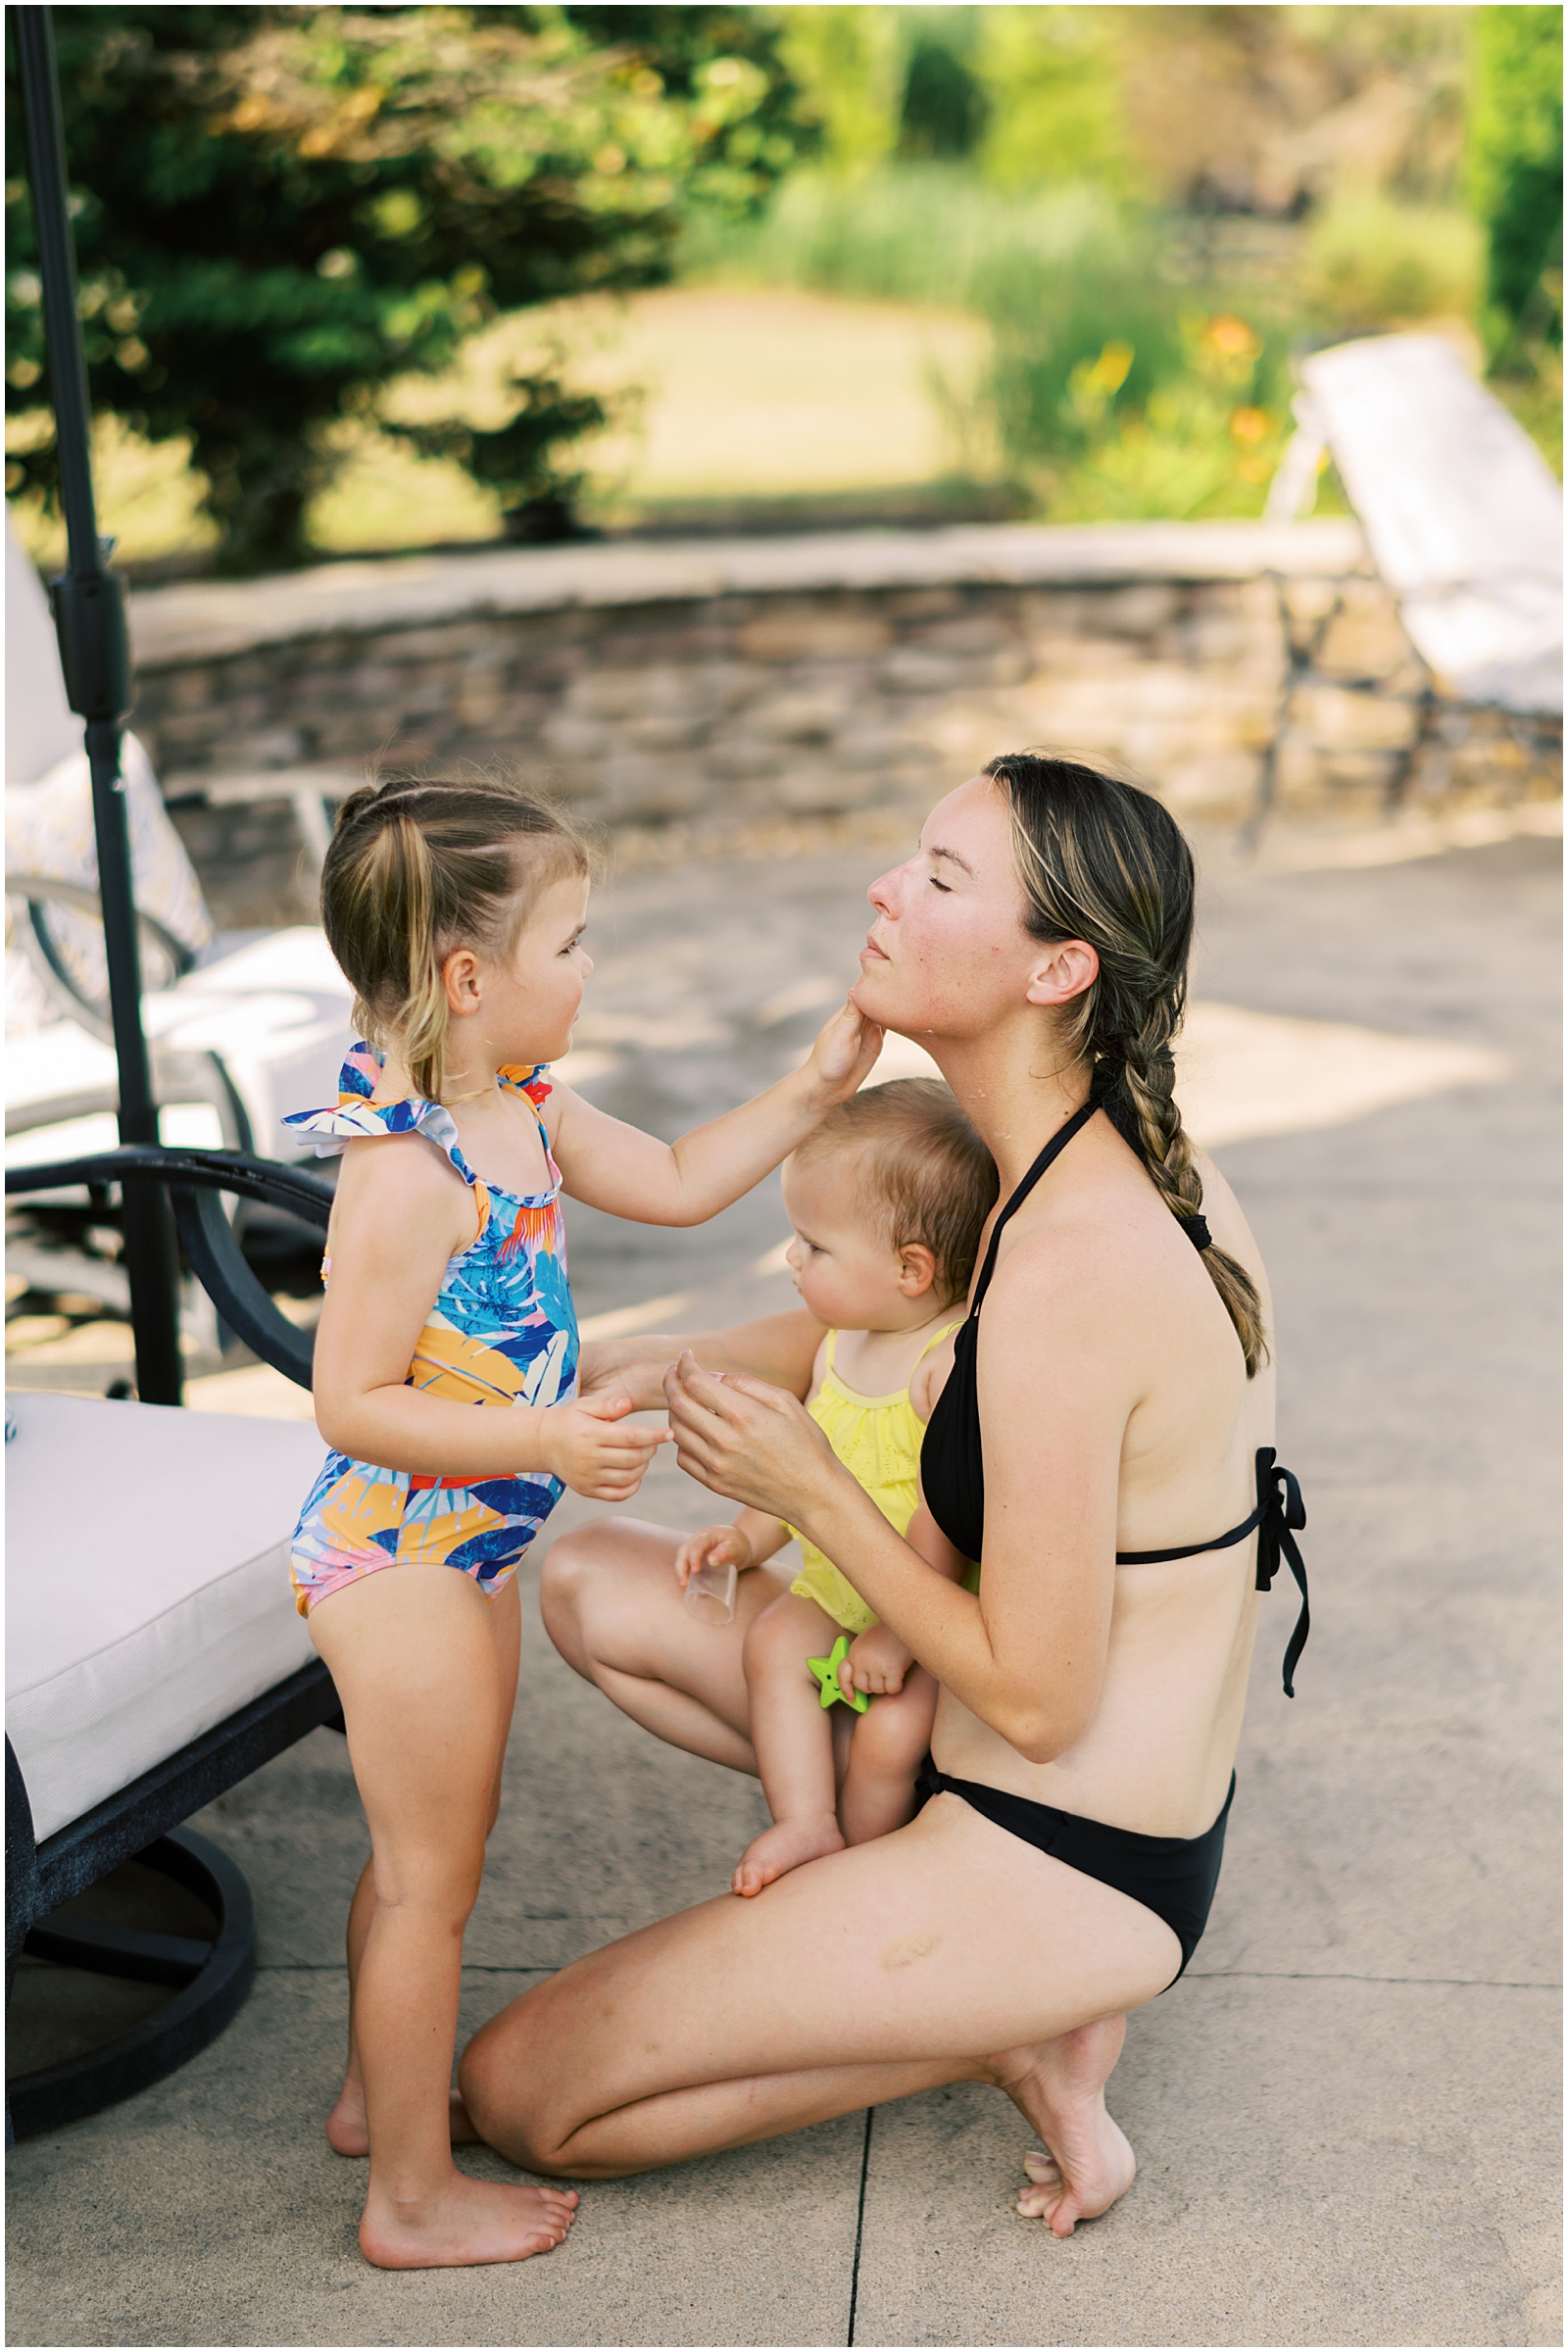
(842,1058)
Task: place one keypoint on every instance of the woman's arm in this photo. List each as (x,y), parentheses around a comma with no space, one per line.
(781,1350)
(400,1214)
(1027,1655)
(630,1174)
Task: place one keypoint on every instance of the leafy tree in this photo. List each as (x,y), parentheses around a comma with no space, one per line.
(280,209)
(945,106)
(1516,168)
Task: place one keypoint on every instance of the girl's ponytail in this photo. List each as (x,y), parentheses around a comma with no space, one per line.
(422,1030)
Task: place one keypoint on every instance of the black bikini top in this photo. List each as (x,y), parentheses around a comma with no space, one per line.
(952,1462)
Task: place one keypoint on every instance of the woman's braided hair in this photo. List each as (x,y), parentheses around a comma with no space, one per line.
(417,869)
(1102,861)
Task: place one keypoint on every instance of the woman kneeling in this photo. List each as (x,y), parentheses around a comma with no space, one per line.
(1110,1411)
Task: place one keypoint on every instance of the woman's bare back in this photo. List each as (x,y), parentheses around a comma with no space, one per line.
(1158,1755)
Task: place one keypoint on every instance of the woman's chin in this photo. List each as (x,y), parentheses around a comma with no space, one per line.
(879,1004)
(874,1001)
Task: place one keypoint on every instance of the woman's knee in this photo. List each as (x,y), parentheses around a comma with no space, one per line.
(502,2092)
(569,1570)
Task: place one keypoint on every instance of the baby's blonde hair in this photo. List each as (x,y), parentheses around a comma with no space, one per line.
(417,869)
(927,1176)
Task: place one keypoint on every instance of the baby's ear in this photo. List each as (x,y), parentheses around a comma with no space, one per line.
(918,1269)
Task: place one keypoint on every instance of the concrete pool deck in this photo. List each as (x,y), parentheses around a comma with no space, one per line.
(1345,2112)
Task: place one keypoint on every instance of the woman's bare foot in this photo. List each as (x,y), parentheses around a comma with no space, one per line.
(349,2134)
(785,1847)
(1060,2087)
(469,2222)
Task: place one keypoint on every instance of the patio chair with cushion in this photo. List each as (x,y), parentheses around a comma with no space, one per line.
(1463,518)
(155,1657)
(241,1029)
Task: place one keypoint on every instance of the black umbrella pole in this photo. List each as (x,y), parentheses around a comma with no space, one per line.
(151,1265)
(95,657)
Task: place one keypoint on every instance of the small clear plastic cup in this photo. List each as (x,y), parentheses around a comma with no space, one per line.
(711,1592)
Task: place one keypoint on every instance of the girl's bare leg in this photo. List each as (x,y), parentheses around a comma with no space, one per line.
(612,1609)
(415,1665)
(885,1750)
(854,1979)
(793,1737)
(346,2128)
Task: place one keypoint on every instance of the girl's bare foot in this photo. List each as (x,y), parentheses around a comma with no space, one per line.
(469,2222)
(348,2132)
(785,1847)
(1060,2087)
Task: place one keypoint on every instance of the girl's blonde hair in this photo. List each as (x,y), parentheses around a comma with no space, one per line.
(1102,861)
(417,869)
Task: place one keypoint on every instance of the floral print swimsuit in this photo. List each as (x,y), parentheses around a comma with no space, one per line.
(502,1331)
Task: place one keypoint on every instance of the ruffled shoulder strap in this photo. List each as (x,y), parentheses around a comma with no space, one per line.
(355,1114)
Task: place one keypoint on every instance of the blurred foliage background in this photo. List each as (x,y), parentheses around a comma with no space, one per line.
(371,277)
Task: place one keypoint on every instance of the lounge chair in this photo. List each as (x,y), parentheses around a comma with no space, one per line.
(1463,518)
(154,1658)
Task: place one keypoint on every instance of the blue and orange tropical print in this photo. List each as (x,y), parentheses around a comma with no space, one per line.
(502,1331)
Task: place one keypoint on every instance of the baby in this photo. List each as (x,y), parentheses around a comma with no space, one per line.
(887,1199)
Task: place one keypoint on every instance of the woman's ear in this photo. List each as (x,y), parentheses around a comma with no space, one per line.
(918,1269)
(459,977)
(1062,971)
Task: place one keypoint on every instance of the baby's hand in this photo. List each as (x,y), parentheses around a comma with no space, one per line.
(840,1059)
(876,1662)
(721,1546)
(592,1449)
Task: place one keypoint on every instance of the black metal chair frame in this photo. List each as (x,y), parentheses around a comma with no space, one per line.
(38,892)
(140,1822)
(1431,708)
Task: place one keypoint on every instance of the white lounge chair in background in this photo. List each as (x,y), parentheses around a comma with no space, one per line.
(1463,518)
(241,1029)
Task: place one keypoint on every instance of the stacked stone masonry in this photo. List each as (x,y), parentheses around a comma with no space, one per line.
(770,687)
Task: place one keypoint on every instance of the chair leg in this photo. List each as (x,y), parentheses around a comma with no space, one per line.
(21,1881)
(214,1981)
(1405,767)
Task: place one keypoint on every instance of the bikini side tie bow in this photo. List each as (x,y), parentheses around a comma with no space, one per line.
(1281,1513)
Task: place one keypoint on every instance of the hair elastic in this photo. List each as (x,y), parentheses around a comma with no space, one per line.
(1196,1232)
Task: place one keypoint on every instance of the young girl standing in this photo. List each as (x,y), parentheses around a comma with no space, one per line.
(457,911)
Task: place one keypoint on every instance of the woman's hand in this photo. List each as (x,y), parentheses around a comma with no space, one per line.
(712,1546)
(592,1449)
(842,1058)
(753,1442)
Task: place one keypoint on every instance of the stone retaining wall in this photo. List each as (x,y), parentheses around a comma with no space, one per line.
(727,682)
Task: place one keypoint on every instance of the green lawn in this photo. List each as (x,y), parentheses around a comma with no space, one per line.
(745,395)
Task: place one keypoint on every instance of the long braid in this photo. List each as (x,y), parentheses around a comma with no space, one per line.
(1102,862)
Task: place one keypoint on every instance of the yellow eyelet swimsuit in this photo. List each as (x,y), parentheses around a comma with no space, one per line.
(878,1440)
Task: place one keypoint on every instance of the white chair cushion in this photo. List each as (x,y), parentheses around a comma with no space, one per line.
(147,1591)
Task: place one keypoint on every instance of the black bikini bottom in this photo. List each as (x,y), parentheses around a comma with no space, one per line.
(1175,1878)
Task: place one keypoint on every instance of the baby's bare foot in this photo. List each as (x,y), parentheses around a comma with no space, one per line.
(348,2132)
(785,1847)
(469,2222)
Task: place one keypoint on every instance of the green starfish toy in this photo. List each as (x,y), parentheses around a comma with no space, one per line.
(826,1671)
